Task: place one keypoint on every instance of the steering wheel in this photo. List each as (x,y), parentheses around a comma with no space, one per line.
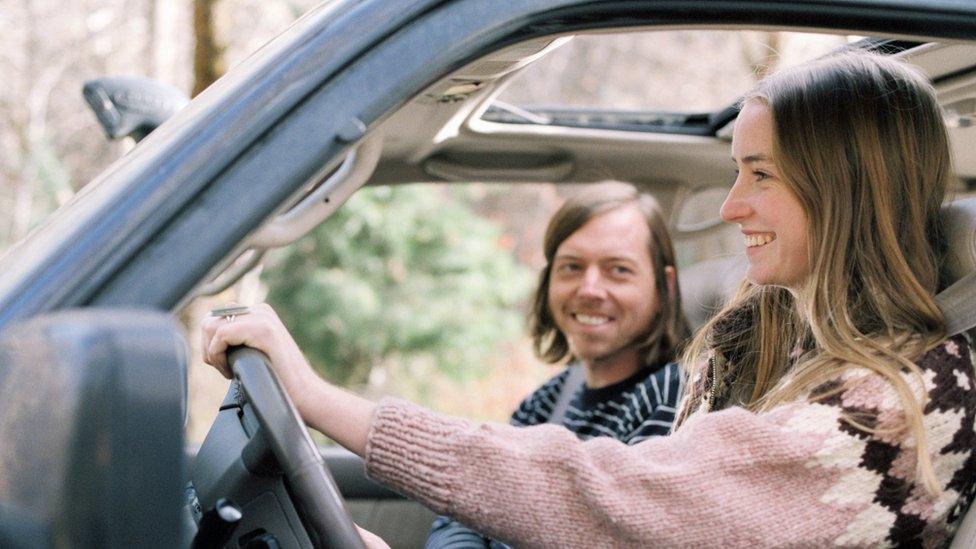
(324,511)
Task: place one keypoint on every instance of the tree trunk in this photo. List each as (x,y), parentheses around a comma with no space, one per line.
(152,30)
(208,54)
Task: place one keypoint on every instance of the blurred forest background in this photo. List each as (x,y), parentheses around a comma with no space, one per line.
(417,291)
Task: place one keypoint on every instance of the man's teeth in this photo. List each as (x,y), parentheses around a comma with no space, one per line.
(759,239)
(591,320)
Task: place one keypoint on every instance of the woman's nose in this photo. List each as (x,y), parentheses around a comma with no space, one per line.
(735,208)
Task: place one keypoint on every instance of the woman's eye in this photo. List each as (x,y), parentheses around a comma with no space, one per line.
(622,270)
(761,176)
(568,268)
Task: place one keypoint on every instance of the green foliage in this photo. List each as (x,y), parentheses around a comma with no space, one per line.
(408,276)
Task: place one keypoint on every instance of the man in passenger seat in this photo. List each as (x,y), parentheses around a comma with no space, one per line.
(608,301)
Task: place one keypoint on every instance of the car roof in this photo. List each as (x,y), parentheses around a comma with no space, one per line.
(176,209)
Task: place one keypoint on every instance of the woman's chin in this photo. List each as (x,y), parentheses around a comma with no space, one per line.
(757,277)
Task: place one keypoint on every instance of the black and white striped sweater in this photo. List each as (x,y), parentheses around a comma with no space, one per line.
(641,406)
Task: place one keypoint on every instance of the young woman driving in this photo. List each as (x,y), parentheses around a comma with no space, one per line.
(827,405)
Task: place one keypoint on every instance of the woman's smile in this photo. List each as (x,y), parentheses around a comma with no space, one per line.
(759,239)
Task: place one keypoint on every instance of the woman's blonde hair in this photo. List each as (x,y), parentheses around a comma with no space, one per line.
(859,140)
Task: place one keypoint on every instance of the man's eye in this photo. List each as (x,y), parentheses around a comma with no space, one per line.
(622,270)
(568,268)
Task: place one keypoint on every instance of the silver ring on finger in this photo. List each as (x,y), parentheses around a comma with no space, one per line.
(230,313)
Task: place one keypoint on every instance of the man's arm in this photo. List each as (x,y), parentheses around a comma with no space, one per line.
(446,533)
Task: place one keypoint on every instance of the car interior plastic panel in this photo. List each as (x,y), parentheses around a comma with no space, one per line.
(282,434)
(91,420)
(235,462)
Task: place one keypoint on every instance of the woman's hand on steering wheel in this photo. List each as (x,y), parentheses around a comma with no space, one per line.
(260,328)
(342,416)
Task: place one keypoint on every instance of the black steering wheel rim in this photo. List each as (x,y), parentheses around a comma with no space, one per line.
(323,507)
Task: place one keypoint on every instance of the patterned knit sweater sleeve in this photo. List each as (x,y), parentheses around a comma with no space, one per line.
(795,476)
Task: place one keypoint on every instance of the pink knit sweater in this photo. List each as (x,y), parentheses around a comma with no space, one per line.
(796,476)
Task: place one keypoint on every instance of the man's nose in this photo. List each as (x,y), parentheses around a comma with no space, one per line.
(592,284)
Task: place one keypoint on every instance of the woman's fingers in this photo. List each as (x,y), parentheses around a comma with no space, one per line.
(221,329)
(371,540)
(318,402)
(232,334)
(257,327)
(260,328)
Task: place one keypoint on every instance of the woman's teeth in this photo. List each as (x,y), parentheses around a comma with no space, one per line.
(591,320)
(753,240)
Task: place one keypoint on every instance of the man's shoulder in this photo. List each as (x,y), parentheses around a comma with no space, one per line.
(556,382)
(661,387)
(538,405)
(668,374)
(552,385)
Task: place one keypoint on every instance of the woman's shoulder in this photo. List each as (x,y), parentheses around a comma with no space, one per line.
(946,373)
(952,354)
(858,424)
(943,379)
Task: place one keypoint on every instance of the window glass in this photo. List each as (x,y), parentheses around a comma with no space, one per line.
(662,70)
(417,291)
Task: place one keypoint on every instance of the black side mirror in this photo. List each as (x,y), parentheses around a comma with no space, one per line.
(132,106)
(91,425)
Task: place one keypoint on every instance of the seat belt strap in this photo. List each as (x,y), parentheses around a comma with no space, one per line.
(956,303)
(574,381)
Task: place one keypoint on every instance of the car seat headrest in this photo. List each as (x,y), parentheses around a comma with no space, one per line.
(707,285)
(960,225)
